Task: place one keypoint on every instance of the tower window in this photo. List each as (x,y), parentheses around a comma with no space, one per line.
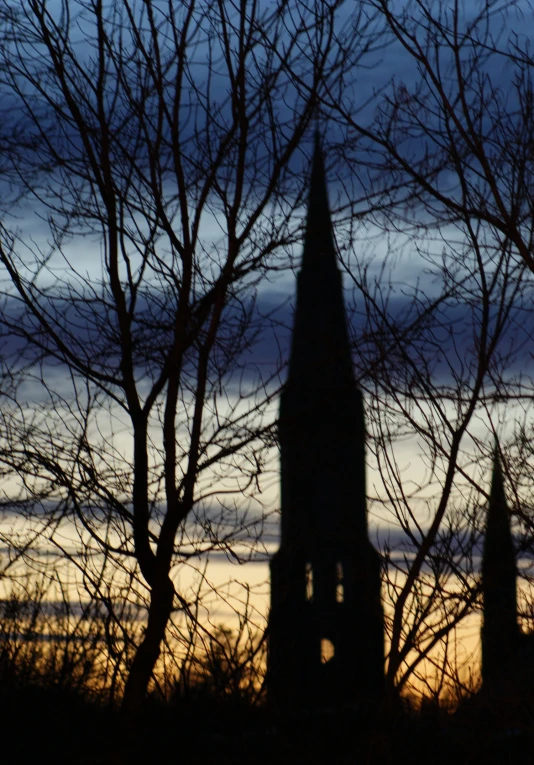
(340,587)
(308,579)
(328,651)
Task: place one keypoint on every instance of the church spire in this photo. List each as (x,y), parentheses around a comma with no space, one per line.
(319,249)
(326,639)
(499,573)
(320,351)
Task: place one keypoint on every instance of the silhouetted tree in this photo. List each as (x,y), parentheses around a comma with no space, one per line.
(168,138)
(162,155)
(449,155)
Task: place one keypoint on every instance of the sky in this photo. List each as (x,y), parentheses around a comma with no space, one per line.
(396,269)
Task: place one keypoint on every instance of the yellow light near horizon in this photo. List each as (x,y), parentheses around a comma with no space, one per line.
(328,651)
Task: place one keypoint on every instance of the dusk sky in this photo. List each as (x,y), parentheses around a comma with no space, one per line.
(413,282)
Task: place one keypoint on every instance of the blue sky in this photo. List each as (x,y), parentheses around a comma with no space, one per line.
(399,272)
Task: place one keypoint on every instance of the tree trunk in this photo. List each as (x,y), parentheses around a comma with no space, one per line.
(147,654)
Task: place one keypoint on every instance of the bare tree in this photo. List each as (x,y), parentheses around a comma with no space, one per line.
(170,141)
(439,366)
(163,158)
(447,156)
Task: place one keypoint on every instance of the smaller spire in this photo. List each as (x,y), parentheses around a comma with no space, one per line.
(499,551)
(497,493)
(499,573)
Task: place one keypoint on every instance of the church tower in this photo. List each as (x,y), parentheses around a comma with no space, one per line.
(500,630)
(326,631)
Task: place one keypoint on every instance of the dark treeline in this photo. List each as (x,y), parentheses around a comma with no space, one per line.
(53,707)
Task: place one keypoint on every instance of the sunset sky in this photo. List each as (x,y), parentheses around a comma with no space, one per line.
(391,276)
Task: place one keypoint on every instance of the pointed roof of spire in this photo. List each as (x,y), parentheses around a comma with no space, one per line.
(319,248)
(498,542)
(320,349)
(497,494)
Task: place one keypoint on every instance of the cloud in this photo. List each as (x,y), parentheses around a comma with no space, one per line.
(402,334)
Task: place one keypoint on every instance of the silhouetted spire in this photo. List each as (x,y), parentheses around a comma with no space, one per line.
(326,640)
(319,250)
(499,573)
(499,552)
(320,343)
